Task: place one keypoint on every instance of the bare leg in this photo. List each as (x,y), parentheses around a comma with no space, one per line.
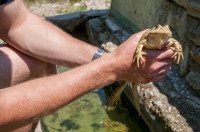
(16,67)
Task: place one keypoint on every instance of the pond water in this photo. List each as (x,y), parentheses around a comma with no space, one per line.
(88,114)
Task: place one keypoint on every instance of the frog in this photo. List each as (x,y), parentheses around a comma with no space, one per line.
(159,37)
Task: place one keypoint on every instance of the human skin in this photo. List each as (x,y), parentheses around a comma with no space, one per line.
(16,67)
(20,28)
(32,100)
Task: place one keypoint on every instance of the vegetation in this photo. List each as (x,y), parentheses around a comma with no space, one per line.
(51,1)
(72,9)
(61,10)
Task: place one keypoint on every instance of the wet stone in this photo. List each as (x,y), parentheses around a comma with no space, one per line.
(193,9)
(195,56)
(194,79)
(194,35)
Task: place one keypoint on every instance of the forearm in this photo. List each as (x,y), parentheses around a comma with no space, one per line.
(33,100)
(39,38)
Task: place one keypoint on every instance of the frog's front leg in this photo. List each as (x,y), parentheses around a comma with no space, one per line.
(139,52)
(177,48)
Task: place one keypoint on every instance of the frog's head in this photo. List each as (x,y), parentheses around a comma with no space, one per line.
(158,37)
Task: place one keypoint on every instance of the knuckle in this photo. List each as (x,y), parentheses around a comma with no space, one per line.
(151,69)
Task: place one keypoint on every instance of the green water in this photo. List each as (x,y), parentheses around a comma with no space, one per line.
(88,114)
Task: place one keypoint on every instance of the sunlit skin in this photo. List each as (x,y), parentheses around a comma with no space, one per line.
(28,100)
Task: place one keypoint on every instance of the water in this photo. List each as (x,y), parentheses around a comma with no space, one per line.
(88,114)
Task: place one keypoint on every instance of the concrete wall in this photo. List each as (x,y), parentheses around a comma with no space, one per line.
(142,13)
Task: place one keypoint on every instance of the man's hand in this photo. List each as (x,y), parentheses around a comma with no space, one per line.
(154,68)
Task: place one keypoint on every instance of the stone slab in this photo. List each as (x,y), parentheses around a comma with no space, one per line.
(193,9)
(183,3)
(69,22)
(194,79)
(194,35)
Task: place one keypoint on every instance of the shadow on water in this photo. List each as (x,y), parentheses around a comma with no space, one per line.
(69,124)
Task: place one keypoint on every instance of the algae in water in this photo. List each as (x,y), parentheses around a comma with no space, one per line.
(88,114)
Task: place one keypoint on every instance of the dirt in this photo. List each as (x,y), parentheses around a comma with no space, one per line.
(53,7)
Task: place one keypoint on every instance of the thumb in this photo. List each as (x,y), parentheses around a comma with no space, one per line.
(137,36)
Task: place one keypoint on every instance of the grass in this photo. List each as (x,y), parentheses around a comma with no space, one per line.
(50,1)
(69,9)
(74,1)
(72,9)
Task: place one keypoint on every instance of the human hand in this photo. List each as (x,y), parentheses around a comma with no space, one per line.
(154,68)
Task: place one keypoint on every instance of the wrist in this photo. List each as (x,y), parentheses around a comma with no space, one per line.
(108,65)
(98,54)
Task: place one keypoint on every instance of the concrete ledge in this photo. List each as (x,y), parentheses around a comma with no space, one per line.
(69,22)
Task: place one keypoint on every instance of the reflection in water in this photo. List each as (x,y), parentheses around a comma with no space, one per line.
(88,114)
(102,96)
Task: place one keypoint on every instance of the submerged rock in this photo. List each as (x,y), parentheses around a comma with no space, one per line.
(113,126)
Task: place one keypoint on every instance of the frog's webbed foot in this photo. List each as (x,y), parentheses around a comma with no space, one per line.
(135,94)
(138,54)
(177,48)
(115,96)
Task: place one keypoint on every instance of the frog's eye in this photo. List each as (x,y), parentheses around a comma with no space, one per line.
(156,26)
